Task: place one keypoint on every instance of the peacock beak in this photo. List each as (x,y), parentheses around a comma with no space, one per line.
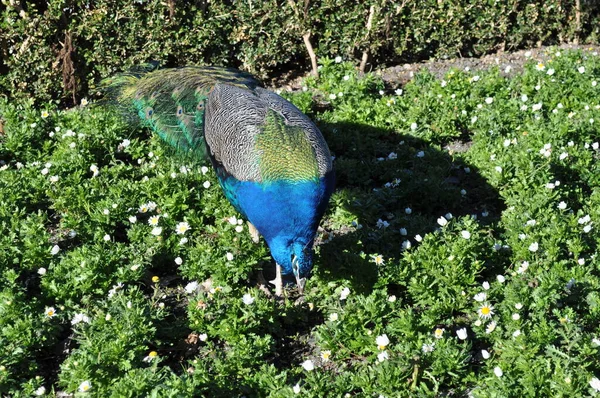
(300,282)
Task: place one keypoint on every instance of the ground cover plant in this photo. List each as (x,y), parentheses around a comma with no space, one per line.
(459,254)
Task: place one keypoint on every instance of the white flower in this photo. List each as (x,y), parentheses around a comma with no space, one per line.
(156,231)
(418,238)
(403,232)
(465,234)
(296,389)
(518,306)
(178,261)
(382,224)
(498,372)
(85,386)
(507,69)
(596,341)
(413,126)
(151,206)
(392,299)
(516,317)
(406,245)
(80,318)
(540,66)
(490,327)
(536,107)
(42,271)
(486,285)
(523,267)
(489,100)
(462,333)
(442,221)
(40,391)
(183,241)
(182,227)
(562,205)
(516,333)
(239,228)
(480,297)
(581,69)
(533,247)
(50,312)
(247,299)
(382,356)
(531,223)
(420,154)
(581,261)
(203,337)
(594,83)
(587,228)
(500,278)
(338,59)
(550,72)
(595,384)
(426,348)
(333,317)
(308,365)
(106,238)
(206,184)
(438,333)
(485,354)
(204,170)
(94,169)
(382,341)
(191,287)
(54,179)
(485,311)
(133,219)
(55,250)
(344,294)
(332,96)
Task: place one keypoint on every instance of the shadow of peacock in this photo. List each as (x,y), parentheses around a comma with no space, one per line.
(270,159)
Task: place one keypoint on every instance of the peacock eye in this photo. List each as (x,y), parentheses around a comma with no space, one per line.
(149,112)
(179,111)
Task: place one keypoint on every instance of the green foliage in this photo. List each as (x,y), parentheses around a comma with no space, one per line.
(50,49)
(458,254)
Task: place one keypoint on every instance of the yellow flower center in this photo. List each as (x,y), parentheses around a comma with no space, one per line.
(485,310)
(152,354)
(155,279)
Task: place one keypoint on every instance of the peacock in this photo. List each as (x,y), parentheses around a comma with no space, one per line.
(271,161)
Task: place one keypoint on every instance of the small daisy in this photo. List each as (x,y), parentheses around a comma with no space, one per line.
(333,317)
(438,333)
(382,356)
(345,293)
(325,355)
(382,341)
(486,311)
(426,348)
(153,221)
(540,66)
(462,333)
(191,287)
(182,228)
(85,386)
(498,372)
(156,231)
(308,365)
(490,327)
(247,299)
(150,356)
(50,312)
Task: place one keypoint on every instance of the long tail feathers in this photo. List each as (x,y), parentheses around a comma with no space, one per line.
(171,101)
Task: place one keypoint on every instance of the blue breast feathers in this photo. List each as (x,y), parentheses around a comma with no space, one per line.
(287,214)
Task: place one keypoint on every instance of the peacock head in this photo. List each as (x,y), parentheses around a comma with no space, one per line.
(294,257)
